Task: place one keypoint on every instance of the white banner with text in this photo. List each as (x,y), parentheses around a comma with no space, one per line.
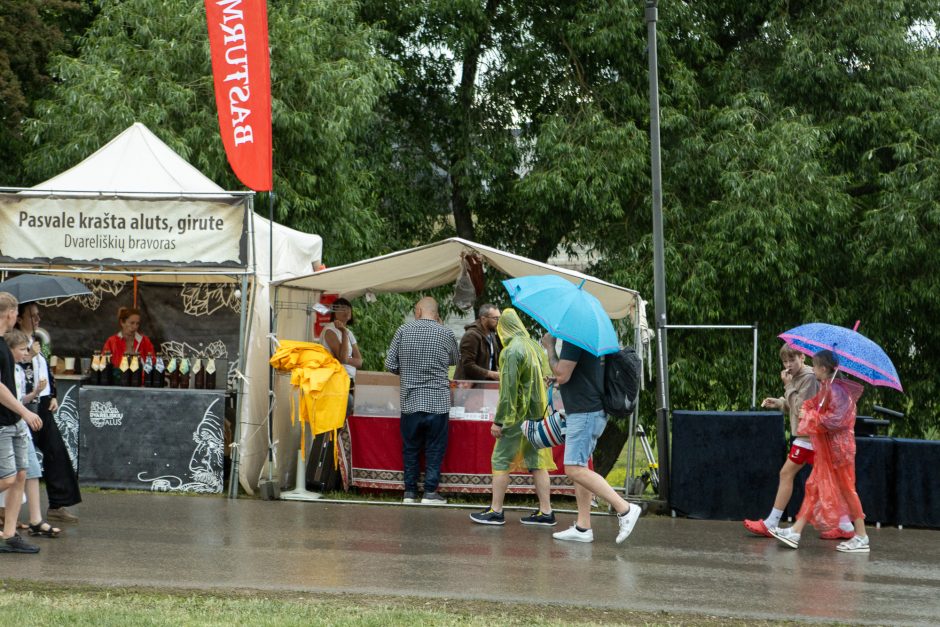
(122,230)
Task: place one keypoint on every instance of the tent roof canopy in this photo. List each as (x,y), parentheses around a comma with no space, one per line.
(138,166)
(436,264)
(135,163)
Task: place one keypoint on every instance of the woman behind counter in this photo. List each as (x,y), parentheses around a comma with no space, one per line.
(129,339)
(339,339)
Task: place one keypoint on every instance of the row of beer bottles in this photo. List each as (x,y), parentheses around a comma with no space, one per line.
(153,372)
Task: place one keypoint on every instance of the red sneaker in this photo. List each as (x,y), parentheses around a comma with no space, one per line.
(758,528)
(837,534)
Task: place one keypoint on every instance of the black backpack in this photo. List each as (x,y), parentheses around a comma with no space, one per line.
(621,382)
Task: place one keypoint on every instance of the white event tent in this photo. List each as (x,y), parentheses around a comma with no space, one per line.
(439,263)
(61,226)
(421,268)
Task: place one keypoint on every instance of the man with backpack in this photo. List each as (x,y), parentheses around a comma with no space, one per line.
(580,377)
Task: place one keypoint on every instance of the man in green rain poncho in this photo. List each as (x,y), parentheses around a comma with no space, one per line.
(522,368)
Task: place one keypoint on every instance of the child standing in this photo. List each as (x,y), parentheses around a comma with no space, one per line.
(829,419)
(15,422)
(18,342)
(799,385)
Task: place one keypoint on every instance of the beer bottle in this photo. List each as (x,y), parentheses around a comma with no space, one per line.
(199,375)
(107,374)
(124,377)
(146,378)
(158,371)
(210,373)
(173,372)
(133,377)
(184,373)
(96,368)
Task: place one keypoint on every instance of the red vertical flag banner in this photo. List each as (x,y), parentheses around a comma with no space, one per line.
(241,70)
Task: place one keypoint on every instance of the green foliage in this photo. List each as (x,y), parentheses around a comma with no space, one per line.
(496,117)
(376,323)
(799,150)
(149,62)
(30,31)
(799,169)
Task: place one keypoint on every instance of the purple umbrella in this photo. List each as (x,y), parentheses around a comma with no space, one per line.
(858,355)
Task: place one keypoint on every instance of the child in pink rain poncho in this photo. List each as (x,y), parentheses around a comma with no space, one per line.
(829,419)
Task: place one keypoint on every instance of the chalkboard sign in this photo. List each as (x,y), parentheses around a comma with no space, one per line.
(159,440)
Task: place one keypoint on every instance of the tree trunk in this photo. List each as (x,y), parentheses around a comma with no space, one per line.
(462,158)
(609,447)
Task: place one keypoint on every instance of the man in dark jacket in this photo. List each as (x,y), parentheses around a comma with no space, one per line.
(479,348)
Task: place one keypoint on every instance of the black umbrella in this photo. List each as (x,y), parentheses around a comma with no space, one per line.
(30,287)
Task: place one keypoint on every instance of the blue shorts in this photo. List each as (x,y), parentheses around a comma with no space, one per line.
(14,451)
(581,433)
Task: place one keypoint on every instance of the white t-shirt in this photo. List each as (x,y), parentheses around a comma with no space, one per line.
(803,443)
(40,370)
(330,328)
(19,374)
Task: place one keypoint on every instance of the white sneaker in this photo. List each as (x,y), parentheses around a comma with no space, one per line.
(858,544)
(787,536)
(573,535)
(627,522)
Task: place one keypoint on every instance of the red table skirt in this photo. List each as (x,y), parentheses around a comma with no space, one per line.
(373,458)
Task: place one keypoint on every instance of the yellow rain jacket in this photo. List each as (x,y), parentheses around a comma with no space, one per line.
(522,367)
(321,383)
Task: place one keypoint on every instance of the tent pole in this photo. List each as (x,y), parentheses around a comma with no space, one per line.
(240,390)
(659,264)
(271,341)
(243,333)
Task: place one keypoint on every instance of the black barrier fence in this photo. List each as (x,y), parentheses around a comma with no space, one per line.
(726,467)
(917,480)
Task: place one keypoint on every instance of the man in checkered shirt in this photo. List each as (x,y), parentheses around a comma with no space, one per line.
(420,353)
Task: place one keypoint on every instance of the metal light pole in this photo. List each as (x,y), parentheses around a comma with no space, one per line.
(659,264)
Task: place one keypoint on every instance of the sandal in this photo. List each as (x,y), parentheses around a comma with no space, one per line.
(43,528)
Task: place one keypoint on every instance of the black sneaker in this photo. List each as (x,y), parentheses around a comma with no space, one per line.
(433,498)
(489,517)
(17,544)
(410,497)
(540,519)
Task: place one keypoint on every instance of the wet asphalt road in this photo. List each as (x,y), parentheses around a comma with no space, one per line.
(677,565)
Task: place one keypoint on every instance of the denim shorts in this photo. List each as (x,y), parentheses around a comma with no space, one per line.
(14,448)
(581,433)
(33,467)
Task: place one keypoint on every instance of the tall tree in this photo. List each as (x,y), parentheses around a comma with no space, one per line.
(799,154)
(495,118)
(799,144)
(149,62)
(30,31)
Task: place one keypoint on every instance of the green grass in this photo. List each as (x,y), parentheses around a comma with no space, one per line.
(617,475)
(26,603)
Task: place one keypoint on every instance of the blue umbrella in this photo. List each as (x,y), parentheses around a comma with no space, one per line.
(858,355)
(566,310)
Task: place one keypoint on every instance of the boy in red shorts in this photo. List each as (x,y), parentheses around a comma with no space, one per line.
(799,384)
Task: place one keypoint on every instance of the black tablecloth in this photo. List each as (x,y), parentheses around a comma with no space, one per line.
(917,481)
(725,465)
